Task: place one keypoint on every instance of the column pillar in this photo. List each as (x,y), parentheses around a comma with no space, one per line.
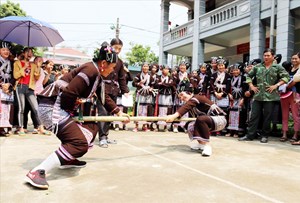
(285,32)
(164,26)
(198,44)
(257,31)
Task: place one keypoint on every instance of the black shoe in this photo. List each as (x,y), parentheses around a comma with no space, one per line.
(264,140)
(73,164)
(245,138)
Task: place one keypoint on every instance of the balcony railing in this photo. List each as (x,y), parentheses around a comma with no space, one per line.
(225,14)
(179,33)
(220,16)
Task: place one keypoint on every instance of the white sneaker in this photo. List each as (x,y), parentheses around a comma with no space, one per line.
(103,143)
(207,150)
(197,146)
(175,130)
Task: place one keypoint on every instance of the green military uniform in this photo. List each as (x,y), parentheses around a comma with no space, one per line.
(266,78)
(264,100)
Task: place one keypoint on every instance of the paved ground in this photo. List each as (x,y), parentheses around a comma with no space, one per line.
(155,167)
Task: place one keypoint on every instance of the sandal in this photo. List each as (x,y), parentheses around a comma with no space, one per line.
(21,133)
(146,130)
(293,139)
(46,132)
(283,139)
(296,143)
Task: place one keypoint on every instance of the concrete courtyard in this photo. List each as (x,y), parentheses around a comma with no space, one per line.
(155,167)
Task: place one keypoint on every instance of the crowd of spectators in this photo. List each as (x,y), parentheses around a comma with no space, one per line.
(248,92)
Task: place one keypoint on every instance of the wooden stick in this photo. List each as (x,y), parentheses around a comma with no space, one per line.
(116,118)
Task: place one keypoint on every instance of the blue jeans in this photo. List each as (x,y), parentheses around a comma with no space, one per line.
(23,92)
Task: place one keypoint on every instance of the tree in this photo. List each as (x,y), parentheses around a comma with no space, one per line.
(11,9)
(140,54)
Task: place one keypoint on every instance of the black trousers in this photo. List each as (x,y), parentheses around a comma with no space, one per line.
(256,116)
(104,126)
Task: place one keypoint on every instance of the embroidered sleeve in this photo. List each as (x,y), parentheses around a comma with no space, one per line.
(77,88)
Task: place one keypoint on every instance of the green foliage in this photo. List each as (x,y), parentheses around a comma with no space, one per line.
(38,52)
(96,53)
(140,54)
(11,9)
(179,59)
(14,9)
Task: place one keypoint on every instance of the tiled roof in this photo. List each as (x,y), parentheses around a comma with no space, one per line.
(65,62)
(67,52)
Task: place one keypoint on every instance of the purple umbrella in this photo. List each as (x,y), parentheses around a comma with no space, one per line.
(28,31)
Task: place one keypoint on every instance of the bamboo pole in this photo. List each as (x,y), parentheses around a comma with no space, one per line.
(116,118)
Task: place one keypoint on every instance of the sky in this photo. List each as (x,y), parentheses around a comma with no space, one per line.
(85,24)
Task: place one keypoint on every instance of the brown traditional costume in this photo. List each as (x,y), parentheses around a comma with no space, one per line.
(60,101)
(208,119)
